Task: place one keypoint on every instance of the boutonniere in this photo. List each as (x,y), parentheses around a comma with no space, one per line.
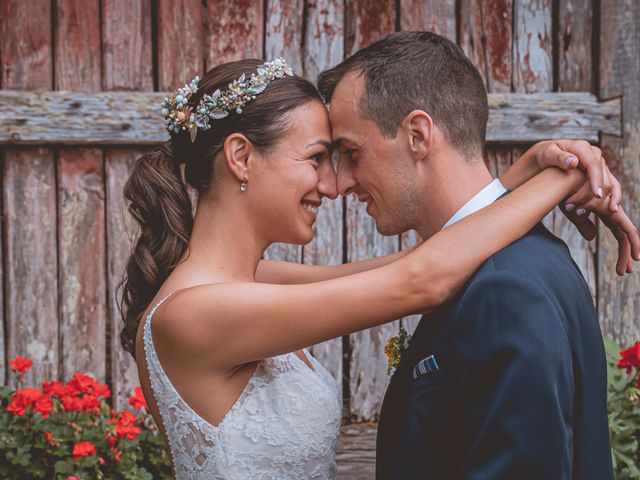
(394,349)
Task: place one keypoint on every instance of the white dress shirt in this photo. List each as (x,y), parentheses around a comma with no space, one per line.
(483,198)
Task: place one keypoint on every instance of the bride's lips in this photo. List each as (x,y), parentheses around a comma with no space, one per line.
(311,209)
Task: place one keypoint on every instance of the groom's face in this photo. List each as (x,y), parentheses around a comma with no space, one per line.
(370,165)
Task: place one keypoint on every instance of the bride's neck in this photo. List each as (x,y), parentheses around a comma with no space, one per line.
(223,243)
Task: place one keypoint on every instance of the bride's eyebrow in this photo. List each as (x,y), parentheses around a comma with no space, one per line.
(328,145)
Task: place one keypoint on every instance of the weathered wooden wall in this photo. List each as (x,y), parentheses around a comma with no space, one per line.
(65,231)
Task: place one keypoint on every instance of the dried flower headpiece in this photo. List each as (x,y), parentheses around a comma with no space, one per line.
(179,117)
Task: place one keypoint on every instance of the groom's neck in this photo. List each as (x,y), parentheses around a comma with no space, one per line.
(451,182)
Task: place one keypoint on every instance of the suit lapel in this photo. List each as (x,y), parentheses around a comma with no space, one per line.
(391,423)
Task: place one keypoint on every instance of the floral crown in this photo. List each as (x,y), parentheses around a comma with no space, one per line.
(179,117)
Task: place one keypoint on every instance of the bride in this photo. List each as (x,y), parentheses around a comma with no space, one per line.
(219,336)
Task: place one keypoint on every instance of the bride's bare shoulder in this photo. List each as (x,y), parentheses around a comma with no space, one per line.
(187,317)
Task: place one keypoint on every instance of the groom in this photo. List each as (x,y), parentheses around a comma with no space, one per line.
(508,380)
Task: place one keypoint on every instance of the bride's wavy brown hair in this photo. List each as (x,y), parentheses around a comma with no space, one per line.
(157,192)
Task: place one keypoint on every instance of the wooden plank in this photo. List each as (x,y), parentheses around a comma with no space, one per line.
(180,42)
(438,16)
(533,55)
(4,371)
(324,40)
(90,119)
(235,30)
(283,32)
(126,45)
(121,234)
(619,298)
(485,37)
(575,27)
(80,194)
(323,48)
(77,32)
(283,38)
(25,58)
(575,74)
(356,455)
(127,65)
(532,46)
(367,21)
(82,276)
(544,116)
(29,202)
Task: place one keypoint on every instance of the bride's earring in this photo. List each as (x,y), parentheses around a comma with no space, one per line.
(243,185)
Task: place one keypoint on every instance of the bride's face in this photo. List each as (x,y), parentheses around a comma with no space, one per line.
(295,176)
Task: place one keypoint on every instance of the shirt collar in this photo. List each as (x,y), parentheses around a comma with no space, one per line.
(483,198)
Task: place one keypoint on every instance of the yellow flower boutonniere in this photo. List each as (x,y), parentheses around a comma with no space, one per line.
(394,349)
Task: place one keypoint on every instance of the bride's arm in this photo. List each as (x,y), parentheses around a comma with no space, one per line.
(542,155)
(287,273)
(232,324)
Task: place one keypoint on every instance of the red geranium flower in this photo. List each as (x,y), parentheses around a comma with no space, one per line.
(24,399)
(20,364)
(138,401)
(43,406)
(83,449)
(630,358)
(126,426)
(55,389)
(48,436)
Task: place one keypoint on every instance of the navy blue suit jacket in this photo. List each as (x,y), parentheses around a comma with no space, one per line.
(521,389)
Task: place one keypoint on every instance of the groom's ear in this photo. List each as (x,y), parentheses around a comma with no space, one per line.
(418,127)
(238,153)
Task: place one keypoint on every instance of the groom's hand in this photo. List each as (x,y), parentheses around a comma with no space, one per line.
(601,194)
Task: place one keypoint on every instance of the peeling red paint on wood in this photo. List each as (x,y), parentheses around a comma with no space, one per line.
(80,195)
(180,42)
(283,38)
(234,30)
(574,46)
(438,16)
(126,45)
(127,65)
(486,38)
(532,46)
(619,298)
(575,74)
(284,32)
(29,201)
(25,29)
(121,234)
(367,21)
(323,48)
(81,233)
(77,33)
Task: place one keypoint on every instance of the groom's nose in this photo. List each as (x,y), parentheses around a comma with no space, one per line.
(327,185)
(346,181)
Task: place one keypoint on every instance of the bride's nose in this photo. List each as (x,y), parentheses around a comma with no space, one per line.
(327,182)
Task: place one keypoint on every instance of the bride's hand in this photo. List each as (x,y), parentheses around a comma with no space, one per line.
(601,194)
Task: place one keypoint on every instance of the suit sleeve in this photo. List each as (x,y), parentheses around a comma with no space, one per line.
(513,375)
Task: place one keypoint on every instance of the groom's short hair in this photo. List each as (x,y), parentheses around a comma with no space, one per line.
(408,71)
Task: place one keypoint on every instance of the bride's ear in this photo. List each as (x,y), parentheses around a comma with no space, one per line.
(239,153)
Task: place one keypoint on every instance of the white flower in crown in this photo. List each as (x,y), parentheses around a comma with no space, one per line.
(180,118)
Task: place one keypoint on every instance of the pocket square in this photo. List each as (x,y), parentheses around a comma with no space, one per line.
(426,365)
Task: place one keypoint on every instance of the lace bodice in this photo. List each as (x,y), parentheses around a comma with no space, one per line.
(284,425)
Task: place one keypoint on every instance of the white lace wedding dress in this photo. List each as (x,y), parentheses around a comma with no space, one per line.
(284,425)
